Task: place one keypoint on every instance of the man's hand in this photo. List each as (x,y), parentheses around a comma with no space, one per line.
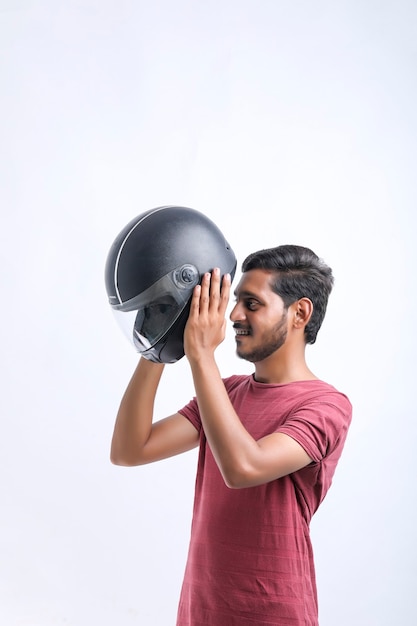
(206,326)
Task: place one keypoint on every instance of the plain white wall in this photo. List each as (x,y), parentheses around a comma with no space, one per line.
(283,121)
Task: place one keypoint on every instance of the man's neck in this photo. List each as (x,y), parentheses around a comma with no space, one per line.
(280,369)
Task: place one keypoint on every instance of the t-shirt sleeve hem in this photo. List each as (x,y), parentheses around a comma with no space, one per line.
(310,449)
(190,415)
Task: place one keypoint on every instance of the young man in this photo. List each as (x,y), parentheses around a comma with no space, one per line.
(269,442)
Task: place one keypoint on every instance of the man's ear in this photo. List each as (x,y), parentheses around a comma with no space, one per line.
(302,312)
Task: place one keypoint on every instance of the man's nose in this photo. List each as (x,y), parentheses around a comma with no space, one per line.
(237,313)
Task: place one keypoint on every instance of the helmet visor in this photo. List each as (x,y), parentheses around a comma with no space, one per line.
(148,317)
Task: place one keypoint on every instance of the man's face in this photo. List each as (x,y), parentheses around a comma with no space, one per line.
(259,317)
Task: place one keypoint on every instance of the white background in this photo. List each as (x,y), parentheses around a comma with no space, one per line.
(284,122)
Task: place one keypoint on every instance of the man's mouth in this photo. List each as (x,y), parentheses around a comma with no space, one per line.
(241,332)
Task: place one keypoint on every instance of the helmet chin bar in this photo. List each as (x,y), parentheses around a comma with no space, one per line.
(147,319)
(170,348)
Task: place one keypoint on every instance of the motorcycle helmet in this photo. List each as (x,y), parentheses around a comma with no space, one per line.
(151,271)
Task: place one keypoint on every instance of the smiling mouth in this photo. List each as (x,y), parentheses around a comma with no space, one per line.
(241,332)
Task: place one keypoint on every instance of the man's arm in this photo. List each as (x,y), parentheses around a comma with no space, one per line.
(136,439)
(243,461)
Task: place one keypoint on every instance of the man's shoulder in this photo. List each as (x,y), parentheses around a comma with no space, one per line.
(297,393)
(237,380)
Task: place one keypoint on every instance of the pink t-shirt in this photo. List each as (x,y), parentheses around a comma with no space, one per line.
(250,560)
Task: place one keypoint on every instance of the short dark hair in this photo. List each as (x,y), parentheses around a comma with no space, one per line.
(298,273)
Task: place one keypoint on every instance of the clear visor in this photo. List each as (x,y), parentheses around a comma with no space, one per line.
(148,317)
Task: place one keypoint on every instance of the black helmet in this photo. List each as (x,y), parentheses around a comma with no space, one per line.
(151,270)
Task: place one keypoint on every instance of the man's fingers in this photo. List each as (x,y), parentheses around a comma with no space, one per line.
(205,290)
(195,300)
(213,293)
(225,293)
(215,286)
(219,291)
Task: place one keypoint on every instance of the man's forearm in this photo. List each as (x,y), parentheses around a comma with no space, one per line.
(134,418)
(231,444)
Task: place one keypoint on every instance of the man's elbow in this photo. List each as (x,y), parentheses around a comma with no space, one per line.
(233,483)
(239,477)
(118,460)
(122,458)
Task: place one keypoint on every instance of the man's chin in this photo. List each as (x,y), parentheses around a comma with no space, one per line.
(255,356)
(246,356)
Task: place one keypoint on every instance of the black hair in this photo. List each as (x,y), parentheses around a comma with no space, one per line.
(298,273)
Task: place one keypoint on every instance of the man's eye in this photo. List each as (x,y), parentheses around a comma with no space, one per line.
(251,304)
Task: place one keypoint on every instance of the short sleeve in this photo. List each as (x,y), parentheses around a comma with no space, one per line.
(319,427)
(191,412)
